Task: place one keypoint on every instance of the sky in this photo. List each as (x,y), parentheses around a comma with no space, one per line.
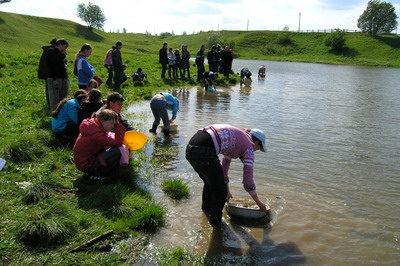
(178,16)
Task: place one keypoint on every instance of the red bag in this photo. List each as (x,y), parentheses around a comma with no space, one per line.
(98,79)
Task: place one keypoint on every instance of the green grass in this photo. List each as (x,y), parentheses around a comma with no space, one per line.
(175,188)
(61,209)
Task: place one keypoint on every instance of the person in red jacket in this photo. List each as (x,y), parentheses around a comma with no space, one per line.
(96,151)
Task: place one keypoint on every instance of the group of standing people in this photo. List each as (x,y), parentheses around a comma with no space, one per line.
(219,60)
(174,61)
(115,67)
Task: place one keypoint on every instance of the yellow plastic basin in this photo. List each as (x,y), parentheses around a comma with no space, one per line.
(134,140)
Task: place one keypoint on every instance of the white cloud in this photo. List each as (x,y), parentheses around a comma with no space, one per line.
(157,16)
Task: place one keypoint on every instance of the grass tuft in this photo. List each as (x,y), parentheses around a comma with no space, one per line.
(25,149)
(150,218)
(46,225)
(35,193)
(175,188)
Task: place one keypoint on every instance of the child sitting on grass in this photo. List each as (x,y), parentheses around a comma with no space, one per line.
(96,151)
(91,105)
(65,117)
(139,75)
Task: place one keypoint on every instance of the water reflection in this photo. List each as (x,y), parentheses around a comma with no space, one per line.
(234,244)
(218,101)
(165,152)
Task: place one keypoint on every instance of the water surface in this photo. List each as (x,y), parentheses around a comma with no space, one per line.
(330,176)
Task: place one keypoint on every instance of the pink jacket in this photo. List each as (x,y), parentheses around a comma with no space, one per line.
(234,143)
(92,140)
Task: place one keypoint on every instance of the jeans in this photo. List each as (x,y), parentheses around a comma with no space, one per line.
(159,109)
(111,157)
(163,70)
(110,74)
(205,162)
(184,72)
(118,73)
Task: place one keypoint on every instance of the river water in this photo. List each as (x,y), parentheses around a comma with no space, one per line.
(330,176)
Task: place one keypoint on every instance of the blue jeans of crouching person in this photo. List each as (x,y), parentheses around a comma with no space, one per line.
(159,108)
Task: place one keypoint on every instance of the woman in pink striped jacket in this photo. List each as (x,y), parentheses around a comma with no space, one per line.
(202,153)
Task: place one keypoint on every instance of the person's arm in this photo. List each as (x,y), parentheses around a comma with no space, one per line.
(248,180)
(87,69)
(259,203)
(175,109)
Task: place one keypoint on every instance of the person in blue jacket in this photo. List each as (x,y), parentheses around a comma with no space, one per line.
(83,70)
(159,105)
(64,120)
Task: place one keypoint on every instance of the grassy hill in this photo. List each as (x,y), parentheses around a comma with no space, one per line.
(28,33)
(42,223)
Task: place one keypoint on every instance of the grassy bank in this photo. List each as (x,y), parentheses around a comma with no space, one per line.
(59,211)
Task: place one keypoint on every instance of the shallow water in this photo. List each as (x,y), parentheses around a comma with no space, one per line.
(330,176)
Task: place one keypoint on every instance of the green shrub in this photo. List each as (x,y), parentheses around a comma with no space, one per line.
(175,188)
(336,40)
(285,40)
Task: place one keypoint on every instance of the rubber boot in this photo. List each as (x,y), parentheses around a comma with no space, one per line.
(153,129)
(166,132)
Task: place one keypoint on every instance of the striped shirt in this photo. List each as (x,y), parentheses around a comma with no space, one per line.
(234,143)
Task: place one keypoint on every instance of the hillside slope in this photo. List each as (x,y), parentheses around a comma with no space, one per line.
(27,33)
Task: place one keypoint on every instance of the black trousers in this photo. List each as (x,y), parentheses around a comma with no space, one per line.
(205,162)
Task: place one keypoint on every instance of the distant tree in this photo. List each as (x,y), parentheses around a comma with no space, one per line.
(123,30)
(147,33)
(286,28)
(184,33)
(4,1)
(336,40)
(215,38)
(92,14)
(164,34)
(379,17)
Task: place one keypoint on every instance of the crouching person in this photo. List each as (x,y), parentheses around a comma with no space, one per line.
(96,151)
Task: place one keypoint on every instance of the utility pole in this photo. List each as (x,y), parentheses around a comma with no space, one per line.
(247,25)
(299,20)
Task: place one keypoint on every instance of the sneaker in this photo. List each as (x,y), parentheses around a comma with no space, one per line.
(97,178)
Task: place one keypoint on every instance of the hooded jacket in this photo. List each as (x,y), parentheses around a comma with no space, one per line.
(92,140)
(56,63)
(85,71)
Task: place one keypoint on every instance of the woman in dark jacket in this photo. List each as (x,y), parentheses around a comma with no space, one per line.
(227,59)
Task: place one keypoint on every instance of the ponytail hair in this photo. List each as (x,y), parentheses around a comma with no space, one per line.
(84,48)
(79,95)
